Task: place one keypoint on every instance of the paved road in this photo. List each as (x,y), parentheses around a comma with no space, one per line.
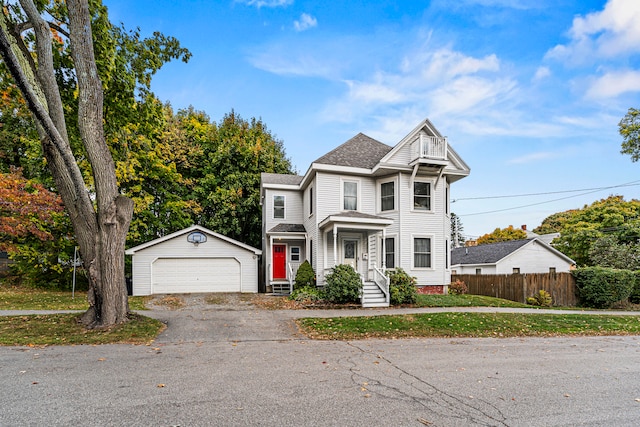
(238,365)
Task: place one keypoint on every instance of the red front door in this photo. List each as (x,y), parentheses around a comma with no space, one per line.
(279,262)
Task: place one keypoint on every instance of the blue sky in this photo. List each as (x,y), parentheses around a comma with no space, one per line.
(529,92)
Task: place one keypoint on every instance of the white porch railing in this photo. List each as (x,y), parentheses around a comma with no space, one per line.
(291,278)
(429,147)
(382,281)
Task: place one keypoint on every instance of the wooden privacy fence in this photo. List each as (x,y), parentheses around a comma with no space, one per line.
(518,287)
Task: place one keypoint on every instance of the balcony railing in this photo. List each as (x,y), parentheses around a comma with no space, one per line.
(429,147)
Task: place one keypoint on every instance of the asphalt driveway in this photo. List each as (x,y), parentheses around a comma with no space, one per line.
(236,364)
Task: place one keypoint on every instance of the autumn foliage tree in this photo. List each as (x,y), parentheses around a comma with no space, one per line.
(34,229)
(502,235)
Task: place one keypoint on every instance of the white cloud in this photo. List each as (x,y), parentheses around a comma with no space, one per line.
(613,84)
(306,21)
(610,33)
(266,3)
(532,157)
(541,73)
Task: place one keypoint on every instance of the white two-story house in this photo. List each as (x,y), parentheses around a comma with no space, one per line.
(366,204)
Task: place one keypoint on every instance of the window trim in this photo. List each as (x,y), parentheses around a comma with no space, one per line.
(379,184)
(292,253)
(358,193)
(311,201)
(284,206)
(431,195)
(431,251)
(395,251)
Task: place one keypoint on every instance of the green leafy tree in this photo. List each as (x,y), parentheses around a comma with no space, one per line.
(63,58)
(228,188)
(629,128)
(580,229)
(502,235)
(608,252)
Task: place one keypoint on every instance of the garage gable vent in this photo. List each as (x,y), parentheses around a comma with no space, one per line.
(196,238)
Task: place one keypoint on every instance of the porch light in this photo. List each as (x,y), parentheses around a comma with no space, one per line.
(196,238)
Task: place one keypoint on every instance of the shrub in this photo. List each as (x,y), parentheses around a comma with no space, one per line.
(343,285)
(402,287)
(307,294)
(601,287)
(635,294)
(305,277)
(541,299)
(458,288)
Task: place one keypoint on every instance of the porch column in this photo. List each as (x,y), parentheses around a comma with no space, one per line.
(384,252)
(269,257)
(335,245)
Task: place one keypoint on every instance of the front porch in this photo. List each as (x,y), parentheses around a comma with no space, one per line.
(357,239)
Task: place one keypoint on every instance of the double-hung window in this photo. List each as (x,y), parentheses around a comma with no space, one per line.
(278,207)
(422,252)
(350,195)
(387,196)
(389,253)
(422,196)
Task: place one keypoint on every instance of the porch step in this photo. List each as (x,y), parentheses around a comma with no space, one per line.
(372,296)
(281,288)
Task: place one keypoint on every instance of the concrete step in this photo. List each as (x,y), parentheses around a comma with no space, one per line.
(375,304)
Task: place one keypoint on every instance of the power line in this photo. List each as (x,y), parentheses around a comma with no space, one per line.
(587,191)
(628,184)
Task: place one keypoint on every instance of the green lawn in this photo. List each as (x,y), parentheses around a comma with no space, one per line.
(468,325)
(64,329)
(15,298)
(465,301)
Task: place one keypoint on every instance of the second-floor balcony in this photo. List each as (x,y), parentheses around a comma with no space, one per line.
(429,147)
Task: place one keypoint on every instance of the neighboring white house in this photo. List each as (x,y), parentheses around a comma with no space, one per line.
(194,260)
(515,256)
(367,204)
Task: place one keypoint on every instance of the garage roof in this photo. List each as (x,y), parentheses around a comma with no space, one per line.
(185,231)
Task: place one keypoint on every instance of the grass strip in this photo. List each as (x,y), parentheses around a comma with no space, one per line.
(465,300)
(449,325)
(64,329)
(13,298)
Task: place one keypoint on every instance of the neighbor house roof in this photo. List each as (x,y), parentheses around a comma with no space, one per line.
(486,254)
(282,179)
(494,252)
(360,151)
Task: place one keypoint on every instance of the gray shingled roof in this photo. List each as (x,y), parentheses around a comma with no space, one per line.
(360,151)
(486,254)
(288,228)
(279,178)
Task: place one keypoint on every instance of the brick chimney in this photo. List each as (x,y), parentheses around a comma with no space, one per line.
(524,227)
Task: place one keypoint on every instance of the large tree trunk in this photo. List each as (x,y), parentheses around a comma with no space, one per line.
(101,231)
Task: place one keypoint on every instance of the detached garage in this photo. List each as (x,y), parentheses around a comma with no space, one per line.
(194,260)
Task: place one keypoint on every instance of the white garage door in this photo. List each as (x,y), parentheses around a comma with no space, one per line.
(187,275)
